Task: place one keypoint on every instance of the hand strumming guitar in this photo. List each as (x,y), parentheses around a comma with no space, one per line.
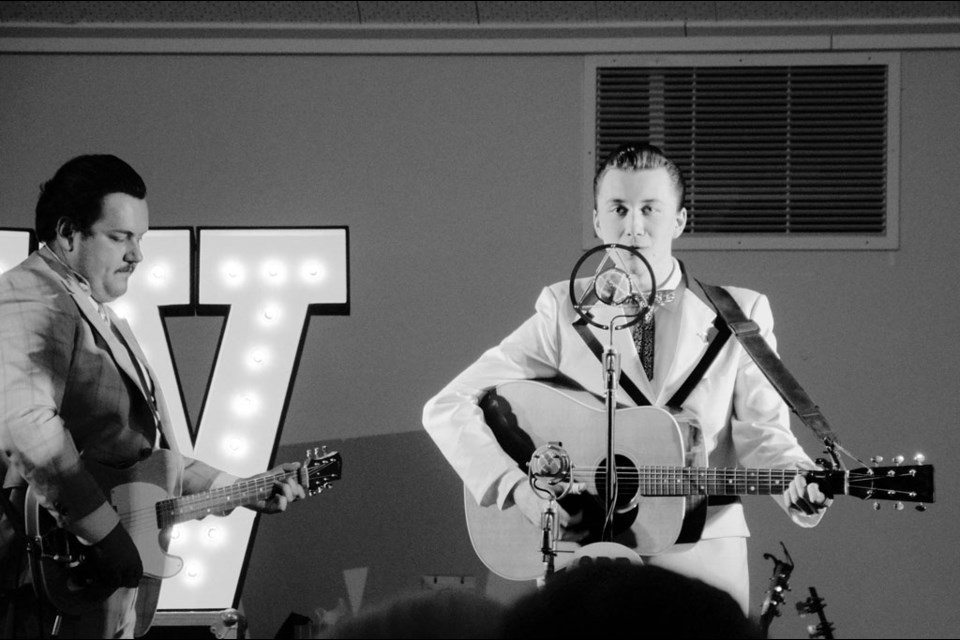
(532,507)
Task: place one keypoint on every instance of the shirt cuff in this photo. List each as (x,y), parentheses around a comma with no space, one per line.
(508,482)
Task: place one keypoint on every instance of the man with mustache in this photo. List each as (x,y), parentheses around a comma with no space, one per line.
(75,387)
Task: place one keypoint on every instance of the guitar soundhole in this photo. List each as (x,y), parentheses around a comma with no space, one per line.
(628,482)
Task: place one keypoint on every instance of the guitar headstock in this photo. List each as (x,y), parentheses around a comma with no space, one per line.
(320,469)
(779,584)
(901,483)
(815,604)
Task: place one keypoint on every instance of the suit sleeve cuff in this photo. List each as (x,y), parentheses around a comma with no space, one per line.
(94,527)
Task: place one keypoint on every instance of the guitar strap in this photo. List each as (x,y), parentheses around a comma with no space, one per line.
(748,333)
(15,544)
(730,320)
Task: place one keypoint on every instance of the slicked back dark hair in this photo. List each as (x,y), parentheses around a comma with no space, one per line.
(638,156)
(77,189)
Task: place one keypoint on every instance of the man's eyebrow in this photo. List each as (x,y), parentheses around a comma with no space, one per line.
(126,232)
(622,200)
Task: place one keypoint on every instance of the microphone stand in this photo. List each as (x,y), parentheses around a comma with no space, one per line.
(610,356)
(611,374)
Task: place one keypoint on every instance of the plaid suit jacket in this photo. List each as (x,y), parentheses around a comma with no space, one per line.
(69,391)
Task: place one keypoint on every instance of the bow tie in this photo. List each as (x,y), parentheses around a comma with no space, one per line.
(663,297)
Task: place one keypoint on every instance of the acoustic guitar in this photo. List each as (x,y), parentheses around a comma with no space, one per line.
(653,484)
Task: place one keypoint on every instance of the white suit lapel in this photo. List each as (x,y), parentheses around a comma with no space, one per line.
(695,332)
(630,365)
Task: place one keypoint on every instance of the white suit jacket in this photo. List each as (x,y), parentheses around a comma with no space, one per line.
(743,419)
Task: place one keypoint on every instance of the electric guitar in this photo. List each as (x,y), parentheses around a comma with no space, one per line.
(654,486)
(145,497)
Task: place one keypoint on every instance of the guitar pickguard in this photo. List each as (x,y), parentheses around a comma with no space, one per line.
(134,503)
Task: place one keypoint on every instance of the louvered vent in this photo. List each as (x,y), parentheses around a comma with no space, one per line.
(767,150)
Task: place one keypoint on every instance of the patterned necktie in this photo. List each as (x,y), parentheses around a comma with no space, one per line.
(644,332)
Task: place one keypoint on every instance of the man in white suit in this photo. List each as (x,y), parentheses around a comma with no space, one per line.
(743,421)
(75,386)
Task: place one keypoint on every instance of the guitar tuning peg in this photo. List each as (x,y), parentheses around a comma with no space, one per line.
(921,507)
(323,449)
(919,458)
(876,459)
(898,506)
(898,460)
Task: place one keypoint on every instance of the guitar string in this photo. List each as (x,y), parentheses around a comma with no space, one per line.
(646,473)
(164,507)
(734,478)
(853,476)
(147,516)
(695,480)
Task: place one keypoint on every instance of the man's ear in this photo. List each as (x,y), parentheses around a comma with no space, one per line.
(66,230)
(681,222)
(596,224)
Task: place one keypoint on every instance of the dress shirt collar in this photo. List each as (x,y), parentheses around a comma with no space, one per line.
(667,290)
(82,283)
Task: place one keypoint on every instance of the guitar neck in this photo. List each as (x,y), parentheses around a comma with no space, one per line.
(177,510)
(704,481)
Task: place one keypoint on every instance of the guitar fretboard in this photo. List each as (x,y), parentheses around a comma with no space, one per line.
(704,481)
(176,510)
